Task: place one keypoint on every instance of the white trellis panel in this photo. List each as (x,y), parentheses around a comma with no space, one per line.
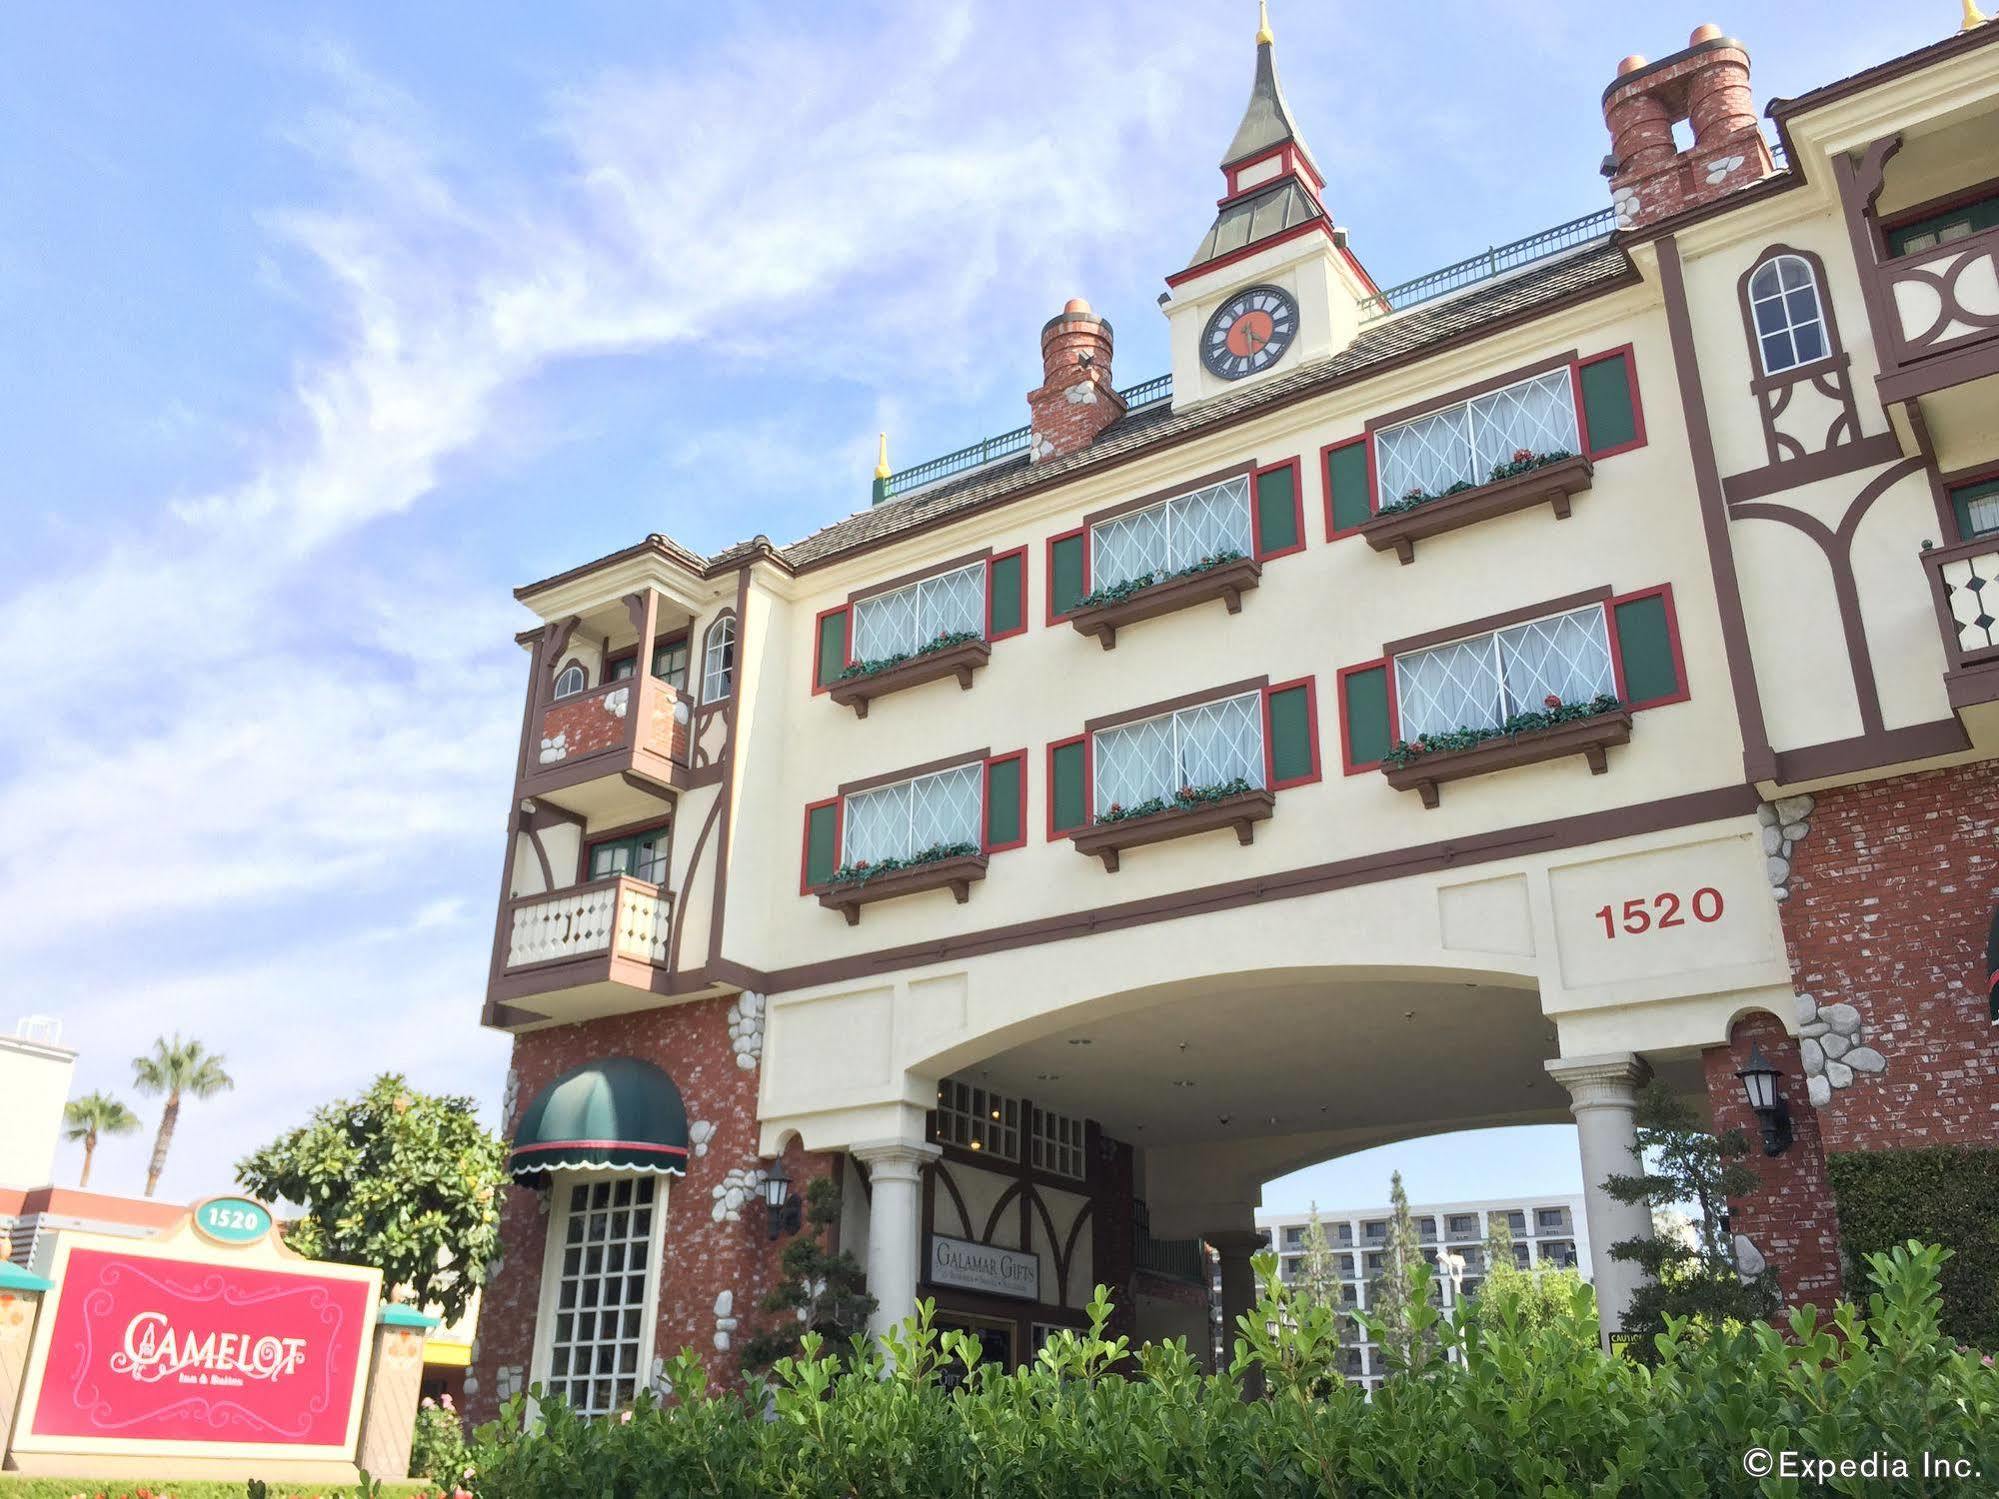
(1205,745)
(895,624)
(894,822)
(1173,534)
(1462,444)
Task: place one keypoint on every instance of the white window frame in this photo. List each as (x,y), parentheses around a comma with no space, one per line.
(1056,1145)
(1790,326)
(999,1138)
(1258,776)
(923,613)
(574,668)
(557,1221)
(1470,412)
(1235,488)
(718,660)
(975,769)
(1507,705)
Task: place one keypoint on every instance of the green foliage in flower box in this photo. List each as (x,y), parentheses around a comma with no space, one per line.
(870,869)
(1117,593)
(1493,1404)
(1183,800)
(944,640)
(1523,461)
(1554,712)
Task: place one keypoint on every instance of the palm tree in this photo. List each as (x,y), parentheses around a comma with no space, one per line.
(173,1068)
(90,1116)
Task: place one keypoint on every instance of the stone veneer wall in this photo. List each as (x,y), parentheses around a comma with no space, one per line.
(718,1259)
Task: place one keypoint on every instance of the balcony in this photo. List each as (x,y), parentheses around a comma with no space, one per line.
(608,754)
(1942,312)
(1964,581)
(589,949)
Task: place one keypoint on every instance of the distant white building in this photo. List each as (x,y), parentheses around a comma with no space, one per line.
(34,1084)
(1548,1233)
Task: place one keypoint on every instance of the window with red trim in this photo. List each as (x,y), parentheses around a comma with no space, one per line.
(980,803)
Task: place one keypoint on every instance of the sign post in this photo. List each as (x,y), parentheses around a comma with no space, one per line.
(211,1351)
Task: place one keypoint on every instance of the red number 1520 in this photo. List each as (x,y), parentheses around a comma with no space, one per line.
(1639,915)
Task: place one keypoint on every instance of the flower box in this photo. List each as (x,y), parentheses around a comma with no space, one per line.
(1106,840)
(955,874)
(1552,484)
(1227,582)
(958,661)
(1592,738)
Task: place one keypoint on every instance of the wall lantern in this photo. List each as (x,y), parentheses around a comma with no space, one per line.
(786,1216)
(1759,1082)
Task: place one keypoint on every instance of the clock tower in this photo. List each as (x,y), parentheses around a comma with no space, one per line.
(1272,285)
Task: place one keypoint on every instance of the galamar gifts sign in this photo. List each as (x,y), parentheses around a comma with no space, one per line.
(213,1339)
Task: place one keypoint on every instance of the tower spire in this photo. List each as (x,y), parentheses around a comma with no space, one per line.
(1267,122)
(1263,33)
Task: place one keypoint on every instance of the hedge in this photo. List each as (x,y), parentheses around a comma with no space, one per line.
(1948,1195)
(16,1486)
(1487,1407)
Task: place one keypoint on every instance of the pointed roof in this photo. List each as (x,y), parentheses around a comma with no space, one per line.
(1267,121)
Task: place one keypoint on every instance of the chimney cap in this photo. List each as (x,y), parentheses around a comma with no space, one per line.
(1631,64)
(1075,305)
(1708,33)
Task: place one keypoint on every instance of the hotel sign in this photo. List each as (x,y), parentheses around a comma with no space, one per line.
(183,1346)
(966,1266)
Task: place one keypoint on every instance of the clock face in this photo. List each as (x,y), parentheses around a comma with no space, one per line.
(1249,332)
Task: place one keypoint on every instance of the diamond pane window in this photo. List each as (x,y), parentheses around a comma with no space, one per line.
(1205,745)
(598,1333)
(1176,534)
(978,1120)
(1481,682)
(1463,444)
(1784,301)
(895,822)
(900,623)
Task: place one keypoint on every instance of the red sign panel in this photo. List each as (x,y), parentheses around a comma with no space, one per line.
(163,1350)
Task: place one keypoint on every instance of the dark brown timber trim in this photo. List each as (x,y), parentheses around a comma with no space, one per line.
(1759,761)
(1827,463)
(1922,741)
(725,799)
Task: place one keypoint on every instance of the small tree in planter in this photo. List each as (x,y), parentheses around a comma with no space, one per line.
(819,1293)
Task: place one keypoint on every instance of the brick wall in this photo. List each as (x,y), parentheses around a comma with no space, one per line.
(1892,892)
(667,733)
(1790,1217)
(583,725)
(704,1255)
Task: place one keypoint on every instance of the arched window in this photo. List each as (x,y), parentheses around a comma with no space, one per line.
(571,680)
(1789,320)
(718,660)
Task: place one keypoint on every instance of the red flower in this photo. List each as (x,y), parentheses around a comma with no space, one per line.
(1551,701)
(1523,455)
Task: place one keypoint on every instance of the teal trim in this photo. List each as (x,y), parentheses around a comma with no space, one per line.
(1277,512)
(14,1278)
(822,839)
(1608,415)
(1645,644)
(395,1314)
(1067,793)
(1346,482)
(1291,735)
(1367,722)
(1007,594)
(1065,575)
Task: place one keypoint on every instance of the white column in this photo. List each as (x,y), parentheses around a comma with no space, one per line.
(1603,1095)
(895,1204)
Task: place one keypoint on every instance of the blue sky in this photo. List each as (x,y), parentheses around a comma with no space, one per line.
(326,325)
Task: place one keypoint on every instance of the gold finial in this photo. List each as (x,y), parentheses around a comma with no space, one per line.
(1972,16)
(1264,37)
(882,470)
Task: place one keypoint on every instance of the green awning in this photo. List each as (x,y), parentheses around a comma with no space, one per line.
(617,1114)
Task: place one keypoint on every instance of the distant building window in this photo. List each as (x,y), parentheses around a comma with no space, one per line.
(978,1120)
(718,660)
(571,680)
(1784,306)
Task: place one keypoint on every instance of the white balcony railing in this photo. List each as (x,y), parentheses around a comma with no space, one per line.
(620,916)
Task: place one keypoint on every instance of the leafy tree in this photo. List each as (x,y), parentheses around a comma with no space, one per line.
(1529,1300)
(817,1292)
(92,1115)
(1319,1280)
(1394,1296)
(1690,1276)
(403,1180)
(176,1068)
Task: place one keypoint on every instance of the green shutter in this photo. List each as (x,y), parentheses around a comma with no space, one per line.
(1065,574)
(1291,734)
(1366,697)
(1277,511)
(1346,482)
(1607,408)
(1645,642)
(1006,594)
(822,843)
(832,646)
(1005,797)
(1067,787)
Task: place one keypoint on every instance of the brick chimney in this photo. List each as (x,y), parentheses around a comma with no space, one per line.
(1706,85)
(1076,400)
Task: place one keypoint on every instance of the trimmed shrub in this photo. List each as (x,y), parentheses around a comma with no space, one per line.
(1949,1196)
(18,1486)
(1493,1407)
